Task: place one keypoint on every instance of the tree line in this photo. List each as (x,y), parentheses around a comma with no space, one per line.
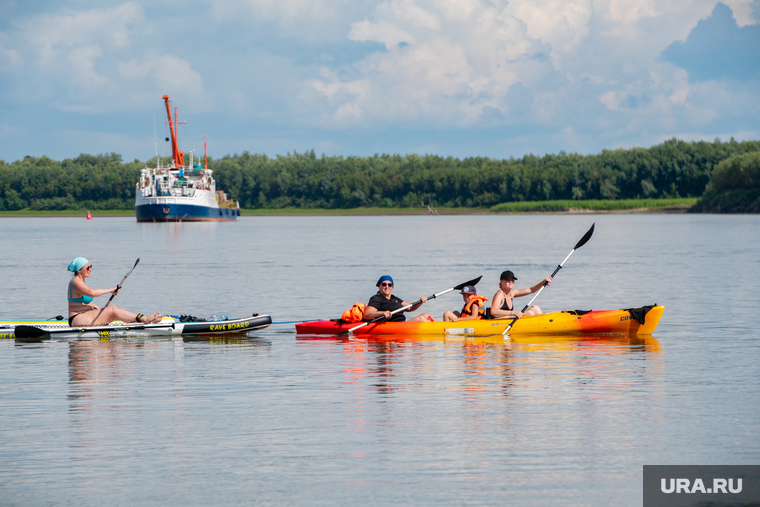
(97,182)
(303,180)
(734,186)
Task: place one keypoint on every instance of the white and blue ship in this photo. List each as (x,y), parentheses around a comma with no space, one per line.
(179,192)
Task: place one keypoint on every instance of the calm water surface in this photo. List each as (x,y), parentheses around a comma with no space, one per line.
(277,419)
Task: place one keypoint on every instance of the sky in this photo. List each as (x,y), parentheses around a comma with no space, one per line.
(460,78)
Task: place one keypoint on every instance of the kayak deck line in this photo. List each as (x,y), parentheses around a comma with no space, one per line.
(633,321)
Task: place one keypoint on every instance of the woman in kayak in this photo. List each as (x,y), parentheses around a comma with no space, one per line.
(503,301)
(474,306)
(83,312)
(383,303)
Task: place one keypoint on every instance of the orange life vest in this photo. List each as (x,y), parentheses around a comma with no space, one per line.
(467,308)
(355,314)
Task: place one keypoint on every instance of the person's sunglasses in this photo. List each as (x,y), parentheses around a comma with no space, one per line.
(386,284)
(89,268)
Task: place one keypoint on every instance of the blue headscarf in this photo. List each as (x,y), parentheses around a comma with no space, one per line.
(384,278)
(77,264)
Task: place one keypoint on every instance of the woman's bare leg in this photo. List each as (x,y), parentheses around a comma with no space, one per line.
(449,316)
(533,310)
(425,317)
(104,316)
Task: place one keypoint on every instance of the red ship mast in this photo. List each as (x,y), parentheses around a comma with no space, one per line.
(178,156)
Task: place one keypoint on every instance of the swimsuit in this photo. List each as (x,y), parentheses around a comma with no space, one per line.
(81,299)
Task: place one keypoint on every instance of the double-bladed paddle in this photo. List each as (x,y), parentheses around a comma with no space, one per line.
(580,243)
(474,281)
(118,287)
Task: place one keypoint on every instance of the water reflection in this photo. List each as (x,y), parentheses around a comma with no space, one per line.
(101,369)
(94,366)
(481,366)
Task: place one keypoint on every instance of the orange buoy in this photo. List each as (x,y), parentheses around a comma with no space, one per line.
(89,216)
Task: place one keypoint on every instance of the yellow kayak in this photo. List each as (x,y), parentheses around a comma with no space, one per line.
(632,321)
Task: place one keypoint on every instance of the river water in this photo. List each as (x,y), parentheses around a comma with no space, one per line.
(278,419)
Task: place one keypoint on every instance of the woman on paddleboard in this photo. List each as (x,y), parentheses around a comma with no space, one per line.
(503,301)
(83,312)
(383,303)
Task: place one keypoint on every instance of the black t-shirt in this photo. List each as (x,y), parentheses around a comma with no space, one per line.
(379,303)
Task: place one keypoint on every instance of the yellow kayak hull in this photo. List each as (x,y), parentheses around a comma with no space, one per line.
(558,323)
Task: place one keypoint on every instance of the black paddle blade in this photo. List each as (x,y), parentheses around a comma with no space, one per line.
(474,281)
(29,332)
(585,237)
(133,267)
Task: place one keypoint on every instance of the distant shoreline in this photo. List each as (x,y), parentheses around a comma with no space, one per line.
(683,208)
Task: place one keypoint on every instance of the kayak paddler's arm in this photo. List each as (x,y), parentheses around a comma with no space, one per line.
(423,299)
(546,281)
(372,313)
(534,289)
(83,290)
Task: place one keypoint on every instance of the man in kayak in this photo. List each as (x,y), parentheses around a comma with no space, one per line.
(383,303)
(502,305)
(474,306)
(83,312)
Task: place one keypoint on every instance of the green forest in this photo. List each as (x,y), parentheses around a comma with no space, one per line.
(723,174)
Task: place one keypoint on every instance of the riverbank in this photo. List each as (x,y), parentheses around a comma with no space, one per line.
(532,207)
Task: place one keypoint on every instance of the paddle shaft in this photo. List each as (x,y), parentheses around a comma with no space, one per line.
(118,287)
(580,243)
(419,301)
(403,308)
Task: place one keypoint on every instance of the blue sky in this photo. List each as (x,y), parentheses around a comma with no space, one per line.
(357,77)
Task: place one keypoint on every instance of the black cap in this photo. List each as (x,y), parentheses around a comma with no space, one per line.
(506,275)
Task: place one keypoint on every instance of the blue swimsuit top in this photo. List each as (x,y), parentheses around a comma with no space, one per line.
(82,299)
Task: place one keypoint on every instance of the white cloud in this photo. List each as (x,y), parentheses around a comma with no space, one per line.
(459,58)
(610,99)
(271,9)
(167,73)
(71,53)
(742,11)
(5,130)
(9,58)
(679,96)
(581,73)
(53,35)
(563,24)
(408,11)
(311,19)
(386,33)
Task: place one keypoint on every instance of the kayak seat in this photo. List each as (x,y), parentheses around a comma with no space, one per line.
(577,312)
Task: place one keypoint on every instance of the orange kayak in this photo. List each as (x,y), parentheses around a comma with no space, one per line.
(633,321)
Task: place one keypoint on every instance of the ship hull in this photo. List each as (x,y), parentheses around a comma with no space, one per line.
(177,212)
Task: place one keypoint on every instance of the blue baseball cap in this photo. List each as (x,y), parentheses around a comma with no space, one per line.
(469,289)
(77,264)
(384,278)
